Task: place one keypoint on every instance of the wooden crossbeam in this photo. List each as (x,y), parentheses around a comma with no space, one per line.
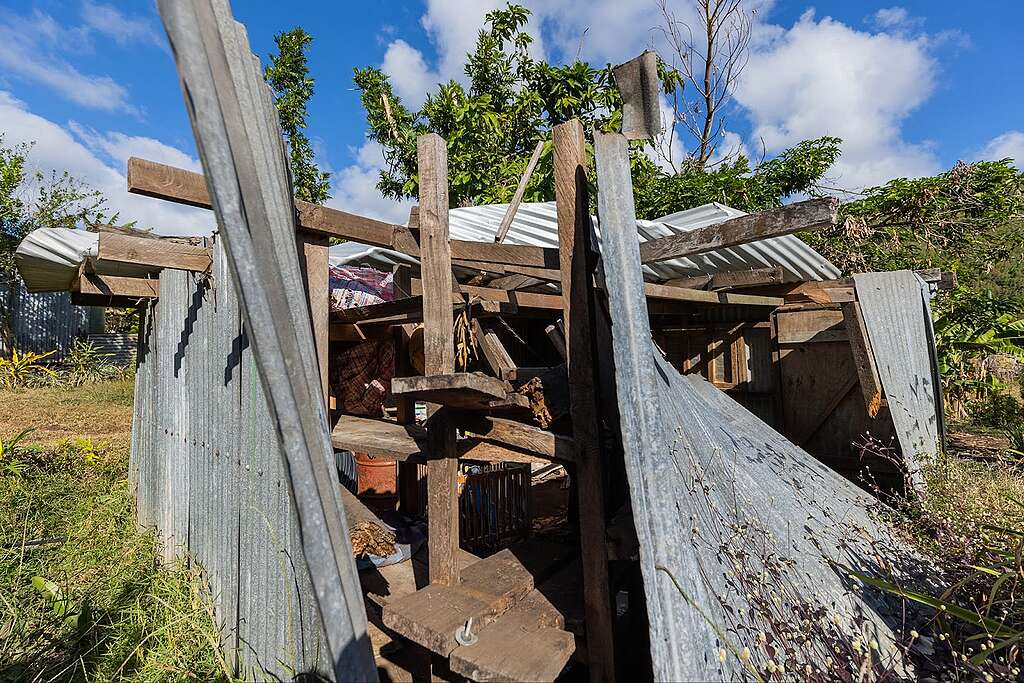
(115,286)
(670,293)
(471,390)
(756,277)
(514,434)
(812,214)
(155,253)
(165,182)
(519,299)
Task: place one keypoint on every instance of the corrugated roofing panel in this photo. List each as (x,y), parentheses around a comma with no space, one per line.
(536,224)
(898,321)
(743,536)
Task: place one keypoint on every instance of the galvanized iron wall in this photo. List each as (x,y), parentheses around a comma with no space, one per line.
(209,475)
(44,322)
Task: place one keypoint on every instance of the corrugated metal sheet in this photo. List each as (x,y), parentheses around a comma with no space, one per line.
(45,322)
(742,534)
(245,163)
(209,475)
(898,320)
(48,259)
(536,224)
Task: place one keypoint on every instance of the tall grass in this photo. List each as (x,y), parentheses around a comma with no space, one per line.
(82,595)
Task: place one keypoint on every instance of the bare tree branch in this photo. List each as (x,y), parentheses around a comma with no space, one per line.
(709,64)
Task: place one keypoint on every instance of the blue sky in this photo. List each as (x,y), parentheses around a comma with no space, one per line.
(911,87)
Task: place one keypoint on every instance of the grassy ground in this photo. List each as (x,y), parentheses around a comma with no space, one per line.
(82,596)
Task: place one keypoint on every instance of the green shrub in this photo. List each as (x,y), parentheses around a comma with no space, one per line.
(998,410)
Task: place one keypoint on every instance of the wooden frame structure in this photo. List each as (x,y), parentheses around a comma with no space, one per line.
(484,416)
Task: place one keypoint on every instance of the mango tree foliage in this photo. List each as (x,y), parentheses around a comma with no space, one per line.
(512,100)
(288,76)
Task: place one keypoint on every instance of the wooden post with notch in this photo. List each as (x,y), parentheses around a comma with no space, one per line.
(405,408)
(577,302)
(318,294)
(438,356)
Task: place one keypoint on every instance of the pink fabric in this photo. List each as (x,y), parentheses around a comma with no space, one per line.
(354,287)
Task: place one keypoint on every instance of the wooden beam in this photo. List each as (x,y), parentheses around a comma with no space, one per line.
(380,438)
(519,299)
(550,274)
(186,187)
(511,433)
(154,253)
(670,293)
(439,356)
(756,277)
(112,285)
(317,278)
(488,589)
(863,358)
(812,214)
(576,266)
(467,390)
(517,198)
(494,351)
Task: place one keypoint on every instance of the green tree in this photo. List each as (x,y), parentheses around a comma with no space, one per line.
(31,200)
(288,76)
(513,100)
(968,220)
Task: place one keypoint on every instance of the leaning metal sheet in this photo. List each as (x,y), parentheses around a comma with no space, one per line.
(243,157)
(746,541)
(898,321)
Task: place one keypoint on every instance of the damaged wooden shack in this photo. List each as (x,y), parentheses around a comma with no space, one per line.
(506,357)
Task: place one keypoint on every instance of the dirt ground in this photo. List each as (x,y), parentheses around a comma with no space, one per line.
(101,412)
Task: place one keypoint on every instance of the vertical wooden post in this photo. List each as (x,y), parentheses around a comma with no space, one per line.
(318,292)
(438,356)
(405,408)
(579,318)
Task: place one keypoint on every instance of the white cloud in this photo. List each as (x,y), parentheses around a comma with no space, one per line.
(123,29)
(821,77)
(30,48)
(409,73)
(56,148)
(896,19)
(354,188)
(1009,145)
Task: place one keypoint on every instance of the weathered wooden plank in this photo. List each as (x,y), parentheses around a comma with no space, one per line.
(439,355)
(577,270)
(186,187)
(380,438)
(318,295)
(812,214)
(517,198)
(670,293)
(487,589)
(550,274)
(494,351)
(527,644)
(506,432)
(504,296)
(467,390)
(153,252)
(114,285)
(756,277)
(863,358)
